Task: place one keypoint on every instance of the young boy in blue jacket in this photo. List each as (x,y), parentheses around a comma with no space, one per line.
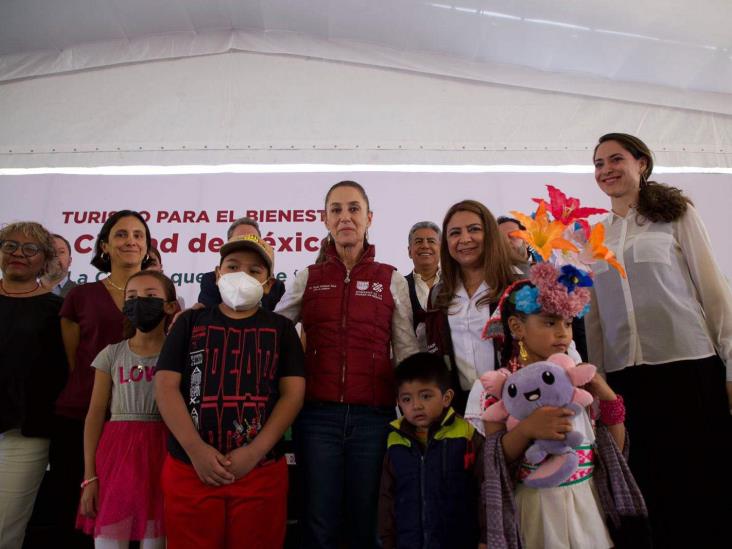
(433,468)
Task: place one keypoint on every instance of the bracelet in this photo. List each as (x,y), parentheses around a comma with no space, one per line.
(88,481)
(612,412)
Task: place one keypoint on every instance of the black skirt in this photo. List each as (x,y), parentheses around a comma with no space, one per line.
(680,431)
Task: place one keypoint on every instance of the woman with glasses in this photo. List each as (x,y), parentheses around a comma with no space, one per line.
(91,319)
(32,372)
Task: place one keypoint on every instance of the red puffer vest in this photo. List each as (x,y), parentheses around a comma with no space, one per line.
(347,321)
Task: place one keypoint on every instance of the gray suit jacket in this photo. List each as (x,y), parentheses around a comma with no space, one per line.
(66,288)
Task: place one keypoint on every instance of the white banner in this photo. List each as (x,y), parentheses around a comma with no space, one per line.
(189,214)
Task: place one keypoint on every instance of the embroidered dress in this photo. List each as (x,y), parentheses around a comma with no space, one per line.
(130,452)
(568,515)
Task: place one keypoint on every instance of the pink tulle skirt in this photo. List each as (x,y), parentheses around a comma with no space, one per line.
(130,459)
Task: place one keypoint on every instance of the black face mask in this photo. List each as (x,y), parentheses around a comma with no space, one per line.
(145,313)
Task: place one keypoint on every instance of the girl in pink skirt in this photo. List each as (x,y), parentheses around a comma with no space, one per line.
(121,497)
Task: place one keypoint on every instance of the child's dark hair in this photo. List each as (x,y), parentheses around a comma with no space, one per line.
(128,330)
(508,309)
(426,367)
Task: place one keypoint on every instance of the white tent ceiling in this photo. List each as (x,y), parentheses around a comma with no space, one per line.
(678,44)
(668,61)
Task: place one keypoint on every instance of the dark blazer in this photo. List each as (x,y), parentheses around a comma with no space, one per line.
(66,288)
(210,296)
(418,313)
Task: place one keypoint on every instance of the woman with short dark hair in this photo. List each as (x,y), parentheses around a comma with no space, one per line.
(91,319)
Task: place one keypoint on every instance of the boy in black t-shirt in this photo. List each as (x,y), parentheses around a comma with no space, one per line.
(229,382)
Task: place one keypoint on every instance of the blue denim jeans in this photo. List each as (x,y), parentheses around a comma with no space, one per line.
(340,450)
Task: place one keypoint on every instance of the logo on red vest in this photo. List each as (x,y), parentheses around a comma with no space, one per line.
(322,287)
(362,289)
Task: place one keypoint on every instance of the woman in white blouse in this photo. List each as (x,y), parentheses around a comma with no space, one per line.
(477,265)
(663,335)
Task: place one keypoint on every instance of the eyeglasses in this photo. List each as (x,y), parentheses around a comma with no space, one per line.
(10,246)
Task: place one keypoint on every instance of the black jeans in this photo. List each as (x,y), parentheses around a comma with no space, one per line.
(340,450)
(66,460)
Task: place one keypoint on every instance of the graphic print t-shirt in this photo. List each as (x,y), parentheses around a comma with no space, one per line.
(132,382)
(230,372)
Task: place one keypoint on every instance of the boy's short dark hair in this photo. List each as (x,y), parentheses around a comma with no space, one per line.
(426,367)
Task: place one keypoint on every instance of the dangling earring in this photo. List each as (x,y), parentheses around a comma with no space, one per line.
(523,353)
(643,181)
(513,362)
(104,256)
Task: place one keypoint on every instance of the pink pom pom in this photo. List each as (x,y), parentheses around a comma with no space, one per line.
(554,297)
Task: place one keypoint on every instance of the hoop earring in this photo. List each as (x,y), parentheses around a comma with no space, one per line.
(104,256)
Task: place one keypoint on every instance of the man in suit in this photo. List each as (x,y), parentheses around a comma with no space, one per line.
(424,251)
(209,295)
(57,278)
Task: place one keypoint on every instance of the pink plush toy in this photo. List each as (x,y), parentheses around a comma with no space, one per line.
(553,382)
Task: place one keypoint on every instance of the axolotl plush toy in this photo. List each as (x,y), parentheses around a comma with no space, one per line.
(553,382)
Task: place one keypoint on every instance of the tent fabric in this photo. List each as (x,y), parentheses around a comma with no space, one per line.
(531,82)
(189,44)
(254,108)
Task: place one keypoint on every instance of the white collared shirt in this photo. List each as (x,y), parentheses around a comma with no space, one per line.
(675,303)
(473,355)
(422,289)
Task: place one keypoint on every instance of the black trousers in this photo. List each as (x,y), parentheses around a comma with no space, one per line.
(680,432)
(54,517)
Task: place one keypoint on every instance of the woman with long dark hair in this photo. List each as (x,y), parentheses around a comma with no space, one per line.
(355,312)
(664,337)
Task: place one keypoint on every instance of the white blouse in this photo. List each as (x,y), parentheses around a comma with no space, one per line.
(422,289)
(675,303)
(473,355)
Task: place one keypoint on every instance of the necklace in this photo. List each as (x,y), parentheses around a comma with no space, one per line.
(109,279)
(24,292)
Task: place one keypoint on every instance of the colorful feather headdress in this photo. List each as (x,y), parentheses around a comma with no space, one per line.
(565,247)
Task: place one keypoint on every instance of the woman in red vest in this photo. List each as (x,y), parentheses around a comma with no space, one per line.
(356,314)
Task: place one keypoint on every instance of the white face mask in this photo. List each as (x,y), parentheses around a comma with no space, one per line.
(240,291)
